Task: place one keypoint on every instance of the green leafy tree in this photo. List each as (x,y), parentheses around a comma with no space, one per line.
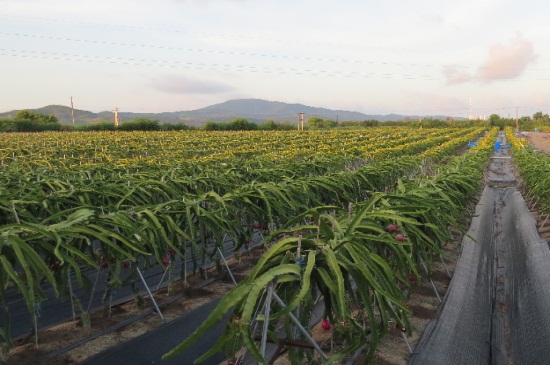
(214,126)
(175,127)
(320,123)
(540,120)
(35,117)
(539,115)
(140,124)
(271,125)
(241,124)
(496,121)
(7,125)
(28,121)
(370,123)
(101,126)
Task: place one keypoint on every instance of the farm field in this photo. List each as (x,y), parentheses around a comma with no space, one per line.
(540,140)
(116,202)
(169,149)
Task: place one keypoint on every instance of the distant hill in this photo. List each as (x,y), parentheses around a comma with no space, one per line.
(63,114)
(261,110)
(255,110)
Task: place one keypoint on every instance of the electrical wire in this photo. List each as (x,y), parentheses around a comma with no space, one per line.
(206,66)
(229,67)
(262,40)
(223,52)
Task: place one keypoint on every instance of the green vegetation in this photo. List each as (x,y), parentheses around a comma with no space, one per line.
(534,168)
(27,121)
(119,201)
(241,124)
(321,123)
(358,260)
(539,121)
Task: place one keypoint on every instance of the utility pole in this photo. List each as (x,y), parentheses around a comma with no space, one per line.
(300,121)
(517,121)
(116,116)
(72,109)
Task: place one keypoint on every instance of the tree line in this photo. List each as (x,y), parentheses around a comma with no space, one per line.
(29,121)
(539,121)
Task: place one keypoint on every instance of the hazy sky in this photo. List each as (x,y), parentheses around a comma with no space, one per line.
(378,57)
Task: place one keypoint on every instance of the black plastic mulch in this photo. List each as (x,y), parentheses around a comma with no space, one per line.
(149,348)
(496,310)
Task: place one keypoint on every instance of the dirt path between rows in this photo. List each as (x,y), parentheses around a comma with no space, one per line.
(424,304)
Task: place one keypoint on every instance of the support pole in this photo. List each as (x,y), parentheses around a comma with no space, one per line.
(35,316)
(71,294)
(116,117)
(431,281)
(93,291)
(446,268)
(301,328)
(517,120)
(72,109)
(300,121)
(150,294)
(407,342)
(227,267)
(263,342)
(162,278)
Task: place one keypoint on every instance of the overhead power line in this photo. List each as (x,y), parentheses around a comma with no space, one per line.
(225,67)
(225,52)
(263,40)
(206,66)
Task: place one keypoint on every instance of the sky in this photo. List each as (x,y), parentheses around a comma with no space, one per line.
(417,57)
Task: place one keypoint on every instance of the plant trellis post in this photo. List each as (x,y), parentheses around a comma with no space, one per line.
(266,319)
(150,294)
(227,267)
(300,327)
(431,281)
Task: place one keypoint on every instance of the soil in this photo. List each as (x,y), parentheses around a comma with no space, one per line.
(393,349)
(540,140)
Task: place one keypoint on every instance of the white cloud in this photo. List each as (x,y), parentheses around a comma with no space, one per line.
(503,62)
(507,61)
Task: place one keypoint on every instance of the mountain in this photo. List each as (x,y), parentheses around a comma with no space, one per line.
(255,110)
(63,114)
(261,110)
